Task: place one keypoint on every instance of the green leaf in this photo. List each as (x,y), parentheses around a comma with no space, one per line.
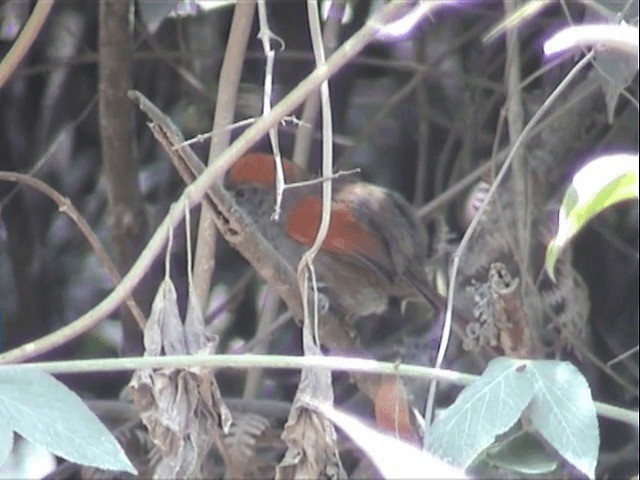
(483,410)
(563,411)
(522,453)
(597,185)
(46,412)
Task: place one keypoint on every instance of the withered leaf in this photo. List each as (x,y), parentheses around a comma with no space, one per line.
(182,408)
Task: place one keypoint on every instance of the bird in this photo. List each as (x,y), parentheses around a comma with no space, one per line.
(375,248)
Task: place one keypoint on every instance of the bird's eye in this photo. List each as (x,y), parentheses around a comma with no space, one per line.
(241,193)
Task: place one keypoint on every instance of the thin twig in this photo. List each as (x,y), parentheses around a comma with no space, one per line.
(262,337)
(339,364)
(304,133)
(327,167)
(268,316)
(53,146)
(25,40)
(419,193)
(266,36)
(622,356)
(371,125)
(66,207)
(515,124)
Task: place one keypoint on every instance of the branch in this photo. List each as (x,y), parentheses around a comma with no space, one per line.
(228,84)
(338,364)
(23,43)
(127,221)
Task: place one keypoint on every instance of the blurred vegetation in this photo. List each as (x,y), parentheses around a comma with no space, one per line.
(49,128)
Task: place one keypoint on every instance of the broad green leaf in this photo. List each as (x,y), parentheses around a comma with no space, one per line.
(46,412)
(597,185)
(522,453)
(563,411)
(488,407)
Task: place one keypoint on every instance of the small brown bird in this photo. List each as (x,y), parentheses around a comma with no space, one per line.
(375,247)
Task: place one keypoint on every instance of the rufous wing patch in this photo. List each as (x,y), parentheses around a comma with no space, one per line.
(346,236)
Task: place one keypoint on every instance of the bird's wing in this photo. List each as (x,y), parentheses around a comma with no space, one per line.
(347,238)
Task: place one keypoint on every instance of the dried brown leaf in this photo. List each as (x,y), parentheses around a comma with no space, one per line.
(182,409)
(311,439)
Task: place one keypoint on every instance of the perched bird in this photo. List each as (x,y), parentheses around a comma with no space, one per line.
(375,247)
